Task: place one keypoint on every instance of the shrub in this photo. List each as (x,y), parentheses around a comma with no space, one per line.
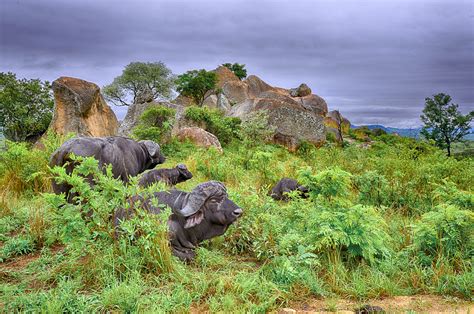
(155,124)
(373,188)
(256,130)
(445,232)
(88,223)
(225,128)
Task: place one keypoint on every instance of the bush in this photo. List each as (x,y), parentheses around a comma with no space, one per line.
(256,130)
(88,223)
(23,169)
(224,128)
(155,124)
(445,232)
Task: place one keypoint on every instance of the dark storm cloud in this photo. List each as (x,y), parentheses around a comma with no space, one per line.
(376,61)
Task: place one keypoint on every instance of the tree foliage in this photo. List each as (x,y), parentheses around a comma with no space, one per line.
(140,82)
(155,124)
(26,106)
(238,69)
(444,123)
(196,84)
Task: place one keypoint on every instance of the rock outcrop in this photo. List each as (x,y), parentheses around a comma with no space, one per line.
(199,137)
(296,114)
(80,108)
(291,121)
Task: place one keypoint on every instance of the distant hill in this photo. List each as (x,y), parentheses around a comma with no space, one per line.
(410,132)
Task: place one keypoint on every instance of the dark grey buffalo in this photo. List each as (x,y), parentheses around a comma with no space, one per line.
(127,157)
(203,214)
(170,177)
(286,185)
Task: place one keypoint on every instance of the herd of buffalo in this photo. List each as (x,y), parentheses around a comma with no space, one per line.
(201,214)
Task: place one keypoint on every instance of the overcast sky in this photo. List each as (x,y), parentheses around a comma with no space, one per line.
(374,60)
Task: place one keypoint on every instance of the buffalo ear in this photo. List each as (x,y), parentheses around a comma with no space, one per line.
(194,220)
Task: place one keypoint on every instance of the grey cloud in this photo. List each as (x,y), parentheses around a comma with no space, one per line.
(361,56)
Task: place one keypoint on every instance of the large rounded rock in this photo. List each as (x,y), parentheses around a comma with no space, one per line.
(236,91)
(314,103)
(300,91)
(199,137)
(256,86)
(292,122)
(225,75)
(80,108)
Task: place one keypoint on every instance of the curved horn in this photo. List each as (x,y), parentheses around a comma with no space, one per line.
(200,194)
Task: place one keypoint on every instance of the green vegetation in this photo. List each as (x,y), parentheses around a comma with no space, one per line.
(155,124)
(238,69)
(443,121)
(196,84)
(394,219)
(26,107)
(214,121)
(140,82)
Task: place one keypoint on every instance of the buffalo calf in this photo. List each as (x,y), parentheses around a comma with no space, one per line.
(170,177)
(286,185)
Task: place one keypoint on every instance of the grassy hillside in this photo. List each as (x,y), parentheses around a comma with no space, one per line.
(394,219)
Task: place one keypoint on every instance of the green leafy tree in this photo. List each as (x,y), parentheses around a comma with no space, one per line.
(238,69)
(444,123)
(140,82)
(26,107)
(196,84)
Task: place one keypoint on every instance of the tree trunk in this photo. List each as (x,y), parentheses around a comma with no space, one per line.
(449,149)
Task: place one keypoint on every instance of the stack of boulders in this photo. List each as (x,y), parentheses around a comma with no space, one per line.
(296,115)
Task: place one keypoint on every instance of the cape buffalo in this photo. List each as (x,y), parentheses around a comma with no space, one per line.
(204,213)
(127,157)
(170,177)
(285,185)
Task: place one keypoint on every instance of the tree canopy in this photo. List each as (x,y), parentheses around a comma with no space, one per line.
(26,107)
(238,69)
(196,84)
(140,82)
(443,122)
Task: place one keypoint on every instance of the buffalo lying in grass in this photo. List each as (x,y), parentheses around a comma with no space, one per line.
(127,157)
(286,185)
(170,177)
(203,214)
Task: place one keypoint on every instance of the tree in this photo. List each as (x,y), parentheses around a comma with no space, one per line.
(444,123)
(140,82)
(238,69)
(196,84)
(26,107)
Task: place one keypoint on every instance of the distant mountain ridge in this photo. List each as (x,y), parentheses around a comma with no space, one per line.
(405,132)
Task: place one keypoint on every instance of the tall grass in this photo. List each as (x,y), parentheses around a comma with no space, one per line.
(395,219)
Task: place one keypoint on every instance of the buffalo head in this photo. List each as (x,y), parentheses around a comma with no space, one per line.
(210,201)
(154,152)
(184,173)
